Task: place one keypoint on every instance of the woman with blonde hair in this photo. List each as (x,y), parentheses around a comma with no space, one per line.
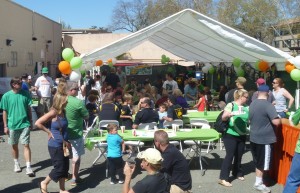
(235,137)
(57,135)
(180,100)
(280,95)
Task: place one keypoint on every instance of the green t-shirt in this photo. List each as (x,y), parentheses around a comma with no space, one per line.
(238,123)
(16,105)
(75,113)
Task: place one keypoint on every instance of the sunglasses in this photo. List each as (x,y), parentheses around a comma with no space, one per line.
(75,89)
(18,83)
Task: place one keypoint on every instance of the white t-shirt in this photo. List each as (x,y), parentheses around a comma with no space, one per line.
(170,86)
(44,85)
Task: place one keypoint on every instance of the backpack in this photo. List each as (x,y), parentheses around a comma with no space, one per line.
(220,125)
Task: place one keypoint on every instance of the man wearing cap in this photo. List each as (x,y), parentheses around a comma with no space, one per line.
(174,164)
(43,86)
(146,114)
(75,113)
(263,122)
(260,82)
(239,82)
(154,182)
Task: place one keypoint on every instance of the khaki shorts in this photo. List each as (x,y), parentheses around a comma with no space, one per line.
(22,135)
(44,105)
(77,147)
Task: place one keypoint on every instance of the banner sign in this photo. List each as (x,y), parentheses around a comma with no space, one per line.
(138,70)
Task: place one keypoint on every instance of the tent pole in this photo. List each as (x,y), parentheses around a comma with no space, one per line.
(212,80)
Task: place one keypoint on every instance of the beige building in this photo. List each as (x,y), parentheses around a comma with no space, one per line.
(85,41)
(27,40)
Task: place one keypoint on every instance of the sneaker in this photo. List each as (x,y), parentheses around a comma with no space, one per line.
(121,181)
(76,182)
(29,172)
(113,182)
(17,167)
(262,188)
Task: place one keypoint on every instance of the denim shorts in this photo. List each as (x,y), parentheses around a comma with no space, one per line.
(77,147)
(22,135)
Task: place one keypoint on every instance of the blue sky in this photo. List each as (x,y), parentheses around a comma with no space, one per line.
(78,14)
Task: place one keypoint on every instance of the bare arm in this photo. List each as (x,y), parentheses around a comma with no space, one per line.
(45,118)
(276,122)
(4,116)
(226,115)
(287,95)
(128,171)
(198,103)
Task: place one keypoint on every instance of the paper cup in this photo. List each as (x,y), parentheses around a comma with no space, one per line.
(122,129)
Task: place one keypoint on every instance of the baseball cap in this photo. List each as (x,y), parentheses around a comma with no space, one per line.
(151,155)
(260,81)
(263,88)
(241,80)
(45,70)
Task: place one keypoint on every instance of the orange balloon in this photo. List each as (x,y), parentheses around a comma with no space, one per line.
(289,67)
(109,61)
(64,67)
(263,66)
(99,63)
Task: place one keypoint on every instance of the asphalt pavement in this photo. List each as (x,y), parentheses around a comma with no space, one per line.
(94,175)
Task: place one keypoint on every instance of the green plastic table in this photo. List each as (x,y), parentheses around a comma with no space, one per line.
(210,117)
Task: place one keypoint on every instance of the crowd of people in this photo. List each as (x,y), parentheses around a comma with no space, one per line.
(110,96)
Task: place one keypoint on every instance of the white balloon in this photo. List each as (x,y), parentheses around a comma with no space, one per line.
(75,75)
(296,61)
(114,60)
(205,69)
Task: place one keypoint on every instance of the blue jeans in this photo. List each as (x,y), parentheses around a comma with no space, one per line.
(282,114)
(293,180)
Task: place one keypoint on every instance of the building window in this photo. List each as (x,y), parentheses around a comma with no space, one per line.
(277,44)
(287,44)
(14,59)
(30,59)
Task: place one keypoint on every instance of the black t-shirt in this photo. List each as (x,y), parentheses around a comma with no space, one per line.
(151,184)
(127,122)
(176,166)
(109,111)
(175,112)
(113,80)
(146,115)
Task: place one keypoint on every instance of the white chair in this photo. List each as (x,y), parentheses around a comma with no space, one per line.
(196,123)
(178,122)
(104,123)
(147,126)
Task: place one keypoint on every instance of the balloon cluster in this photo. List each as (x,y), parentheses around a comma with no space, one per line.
(164,59)
(238,67)
(293,67)
(208,68)
(70,65)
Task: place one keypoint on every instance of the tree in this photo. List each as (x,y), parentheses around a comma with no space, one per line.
(64,25)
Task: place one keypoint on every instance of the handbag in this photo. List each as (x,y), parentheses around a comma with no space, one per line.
(65,146)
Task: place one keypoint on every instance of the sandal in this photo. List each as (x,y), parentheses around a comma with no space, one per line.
(41,189)
(225,183)
(241,178)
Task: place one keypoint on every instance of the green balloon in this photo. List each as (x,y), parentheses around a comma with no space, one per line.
(167,59)
(76,62)
(211,70)
(256,65)
(163,56)
(67,54)
(240,72)
(162,61)
(236,62)
(295,74)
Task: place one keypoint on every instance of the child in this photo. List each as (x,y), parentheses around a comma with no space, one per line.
(162,112)
(201,102)
(126,112)
(91,106)
(114,154)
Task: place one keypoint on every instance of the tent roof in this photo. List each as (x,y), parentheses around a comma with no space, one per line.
(194,37)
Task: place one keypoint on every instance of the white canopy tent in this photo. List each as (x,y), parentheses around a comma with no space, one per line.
(194,37)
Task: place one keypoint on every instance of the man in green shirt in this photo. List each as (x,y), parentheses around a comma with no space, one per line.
(17,121)
(76,112)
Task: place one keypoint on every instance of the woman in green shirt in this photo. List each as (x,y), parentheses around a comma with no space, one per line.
(235,137)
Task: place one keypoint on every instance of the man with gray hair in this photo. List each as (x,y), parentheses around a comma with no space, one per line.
(174,164)
(75,113)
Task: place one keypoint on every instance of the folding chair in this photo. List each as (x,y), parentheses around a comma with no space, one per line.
(104,123)
(195,122)
(168,124)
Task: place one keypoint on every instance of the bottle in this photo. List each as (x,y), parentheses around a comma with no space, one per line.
(134,132)
(205,111)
